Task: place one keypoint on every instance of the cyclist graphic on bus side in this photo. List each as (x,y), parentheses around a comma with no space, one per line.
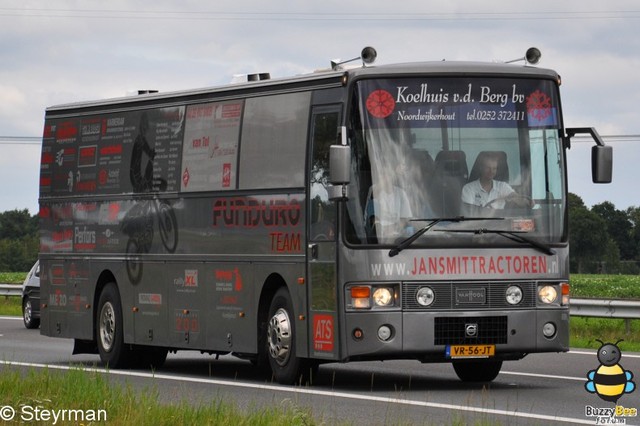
(139,223)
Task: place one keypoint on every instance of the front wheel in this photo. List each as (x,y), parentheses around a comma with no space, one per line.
(287,368)
(477,370)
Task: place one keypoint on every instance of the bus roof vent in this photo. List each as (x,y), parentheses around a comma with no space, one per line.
(243,78)
(146,92)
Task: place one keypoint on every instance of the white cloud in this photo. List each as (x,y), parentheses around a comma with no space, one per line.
(67,51)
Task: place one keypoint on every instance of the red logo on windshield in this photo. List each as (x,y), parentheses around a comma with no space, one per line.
(380,103)
(539,105)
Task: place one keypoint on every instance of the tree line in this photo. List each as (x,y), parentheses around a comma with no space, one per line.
(603,239)
(19,240)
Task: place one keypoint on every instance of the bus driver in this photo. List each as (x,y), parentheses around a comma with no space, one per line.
(486,192)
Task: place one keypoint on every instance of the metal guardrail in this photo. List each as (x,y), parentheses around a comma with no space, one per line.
(602,308)
(10,290)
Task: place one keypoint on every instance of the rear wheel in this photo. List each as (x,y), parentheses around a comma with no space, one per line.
(27,314)
(286,366)
(477,370)
(109,329)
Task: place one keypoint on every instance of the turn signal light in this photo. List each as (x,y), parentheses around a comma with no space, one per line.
(565,293)
(360,297)
(360,292)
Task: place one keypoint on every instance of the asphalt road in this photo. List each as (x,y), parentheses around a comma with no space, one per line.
(540,389)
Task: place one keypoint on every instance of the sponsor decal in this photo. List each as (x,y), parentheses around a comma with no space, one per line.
(323,333)
(251,212)
(187,283)
(468,265)
(150,299)
(187,321)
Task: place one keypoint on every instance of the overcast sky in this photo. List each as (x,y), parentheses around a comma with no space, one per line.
(68,51)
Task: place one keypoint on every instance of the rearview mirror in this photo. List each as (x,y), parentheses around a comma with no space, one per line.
(339,173)
(601,154)
(339,164)
(601,164)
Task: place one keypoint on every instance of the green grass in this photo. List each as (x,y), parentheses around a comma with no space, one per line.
(605,286)
(91,392)
(10,306)
(12,277)
(583,333)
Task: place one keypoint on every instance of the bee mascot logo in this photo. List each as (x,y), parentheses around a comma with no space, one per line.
(609,381)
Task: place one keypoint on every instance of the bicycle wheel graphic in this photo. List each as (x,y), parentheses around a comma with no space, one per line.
(168,226)
(133,263)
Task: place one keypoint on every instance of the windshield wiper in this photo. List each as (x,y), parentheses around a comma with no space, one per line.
(432,222)
(512,235)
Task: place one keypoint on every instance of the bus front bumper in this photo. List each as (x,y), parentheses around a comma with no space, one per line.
(428,336)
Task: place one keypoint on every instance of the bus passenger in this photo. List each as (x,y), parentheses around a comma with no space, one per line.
(387,209)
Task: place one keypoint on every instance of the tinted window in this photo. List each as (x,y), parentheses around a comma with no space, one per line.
(272,151)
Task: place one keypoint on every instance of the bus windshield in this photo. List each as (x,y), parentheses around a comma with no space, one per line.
(485,149)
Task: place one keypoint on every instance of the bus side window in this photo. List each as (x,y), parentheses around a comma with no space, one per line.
(322,214)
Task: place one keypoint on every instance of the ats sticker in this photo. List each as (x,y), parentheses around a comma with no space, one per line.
(323,334)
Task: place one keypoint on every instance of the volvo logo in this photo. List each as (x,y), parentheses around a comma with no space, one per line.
(471,330)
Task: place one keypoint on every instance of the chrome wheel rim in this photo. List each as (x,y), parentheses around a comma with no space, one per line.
(107,326)
(279,337)
(27,311)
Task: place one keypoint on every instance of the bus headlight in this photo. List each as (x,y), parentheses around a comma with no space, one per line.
(383,296)
(425,296)
(513,295)
(547,294)
(372,296)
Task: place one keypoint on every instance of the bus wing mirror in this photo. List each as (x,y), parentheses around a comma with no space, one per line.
(601,155)
(601,164)
(340,163)
(340,168)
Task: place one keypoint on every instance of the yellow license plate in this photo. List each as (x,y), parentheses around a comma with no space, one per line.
(471,351)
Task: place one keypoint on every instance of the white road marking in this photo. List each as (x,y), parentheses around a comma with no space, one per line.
(298,390)
(543,376)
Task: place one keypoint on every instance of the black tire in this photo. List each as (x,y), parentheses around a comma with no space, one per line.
(109,330)
(287,368)
(477,370)
(27,315)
